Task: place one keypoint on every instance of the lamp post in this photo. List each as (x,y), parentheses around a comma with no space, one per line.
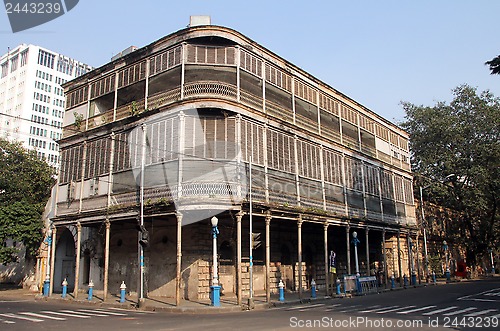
(492,261)
(215,297)
(46,283)
(413,274)
(424,230)
(447,273)
(355,242)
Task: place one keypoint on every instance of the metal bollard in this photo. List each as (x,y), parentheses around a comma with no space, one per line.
(46,287)
(338,286)
(91,290)
(448,275)
(313,289)
(282,291)
(393,284)
(414,279)
(123,287)
(64,288)
(434,277)
(405,280)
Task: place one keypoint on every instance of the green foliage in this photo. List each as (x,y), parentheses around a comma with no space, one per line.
(78,120)
(494,65)
(460,141)
(25,183)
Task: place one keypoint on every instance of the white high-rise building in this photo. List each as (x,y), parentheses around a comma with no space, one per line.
(31,98)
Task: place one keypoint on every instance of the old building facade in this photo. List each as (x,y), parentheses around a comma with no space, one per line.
(206,122)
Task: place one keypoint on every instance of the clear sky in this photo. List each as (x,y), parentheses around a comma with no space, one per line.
(377,52)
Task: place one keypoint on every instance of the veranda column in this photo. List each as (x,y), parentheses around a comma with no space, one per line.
(106,261)
(268,258)
(347,230)
(400,263)
(77,262)
(299,254)
(367,252)
(385,257)
(239,216)
(53,260)
(325,248)
(179,261)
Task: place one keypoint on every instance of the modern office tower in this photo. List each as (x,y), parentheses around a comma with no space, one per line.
(31,97)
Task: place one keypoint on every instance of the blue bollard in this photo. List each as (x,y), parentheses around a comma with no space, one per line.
(64,288)
(434,277)
(358,285)
(405,280)
(91,290)
(313,289)
(448,275)
(282,291)
(46,287)
(215,295)
(414,279)
(123,287)
(338,286)
(393,284)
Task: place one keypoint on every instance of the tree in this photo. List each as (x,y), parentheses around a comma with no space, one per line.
(494,65)
(25,183)
(460,141)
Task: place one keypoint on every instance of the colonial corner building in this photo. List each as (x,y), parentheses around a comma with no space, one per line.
(206,122)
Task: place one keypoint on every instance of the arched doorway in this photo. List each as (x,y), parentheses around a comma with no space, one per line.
(64,266)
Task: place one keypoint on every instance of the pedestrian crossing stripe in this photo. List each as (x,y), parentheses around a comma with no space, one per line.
(64,314)
(459,311)
(306,307)
(415,310)
(9,315)
(393,310)
(43,316)
(7,322)
(83,313)
(107,312)
(434,312)
(377,309)
(482,312)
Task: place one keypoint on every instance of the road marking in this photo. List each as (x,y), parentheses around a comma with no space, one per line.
(332,307)
(21,317)
(348,308)
(82,313)
(394,309)
(303,308)
(495,316)
(63,314)
(415,310)
(137,312)
(482,312)
(108,312)
(459,311)
(378,309)
(493,294)
(439,311)
(7,322)
(481,293)
(44,316)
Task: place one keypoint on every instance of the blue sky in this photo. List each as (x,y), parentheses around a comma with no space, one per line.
(377,52)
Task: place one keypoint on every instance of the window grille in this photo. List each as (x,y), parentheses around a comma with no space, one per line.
(349,114)
(122,152)
(332,166)
(328,104)
(165,60)
(98,157)
(132,74)
(211,54)
(366,123)
(398,188)
(250,63)
(280,151)
(305,92)
(309,158)
(71,162)
(371,180)
(279,78)
(252,142)
(408,190)
(77,97)
(102,86)
(386,184)
(353,173)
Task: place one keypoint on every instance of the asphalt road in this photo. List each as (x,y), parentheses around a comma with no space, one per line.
(457,306)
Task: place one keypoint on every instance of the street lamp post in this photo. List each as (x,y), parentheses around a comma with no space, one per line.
(355,242)
(46,283)
(215,297)
(424,230)
(447,273)
(492,262)
(413,274)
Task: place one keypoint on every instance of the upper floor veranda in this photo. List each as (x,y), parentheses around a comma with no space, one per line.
(211,62)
